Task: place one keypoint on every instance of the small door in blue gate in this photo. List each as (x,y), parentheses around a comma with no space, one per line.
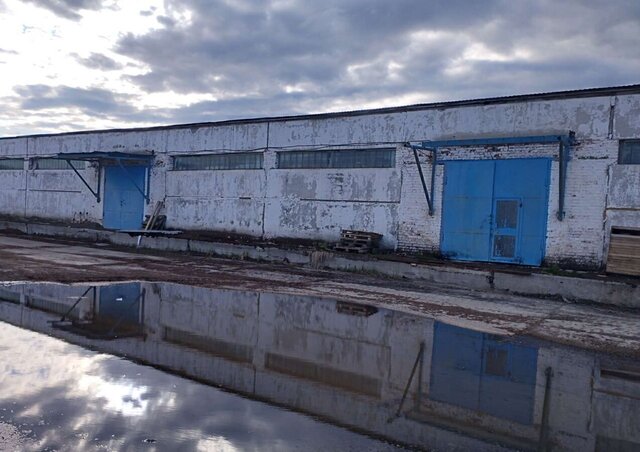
(496,210)
(521,199)
(123,200)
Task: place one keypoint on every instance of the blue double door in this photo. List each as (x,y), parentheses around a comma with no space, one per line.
(482,372)
(496,210)
(123,196)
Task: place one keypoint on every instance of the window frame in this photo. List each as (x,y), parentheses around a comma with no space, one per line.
(633,159)
(370,158)
(225,163)
(10,159)
(80,165)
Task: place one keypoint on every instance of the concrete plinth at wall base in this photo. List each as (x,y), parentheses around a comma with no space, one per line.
(567,288)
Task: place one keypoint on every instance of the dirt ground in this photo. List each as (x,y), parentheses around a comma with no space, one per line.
(604,329)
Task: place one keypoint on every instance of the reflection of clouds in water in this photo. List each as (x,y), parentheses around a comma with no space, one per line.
(85,378)
(122,396)
(76,399)
(32,361)
(217,444)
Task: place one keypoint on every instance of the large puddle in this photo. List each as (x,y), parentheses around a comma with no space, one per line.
(399,377)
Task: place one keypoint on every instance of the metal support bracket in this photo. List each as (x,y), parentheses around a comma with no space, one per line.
(96,193)
(543,440)
(419,362)
(73,306)
(429,194)
(564,155)
(141,190)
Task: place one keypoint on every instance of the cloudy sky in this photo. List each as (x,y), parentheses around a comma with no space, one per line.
(87,64)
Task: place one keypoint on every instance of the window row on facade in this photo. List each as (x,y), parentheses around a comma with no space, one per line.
(347,158)
(41,164)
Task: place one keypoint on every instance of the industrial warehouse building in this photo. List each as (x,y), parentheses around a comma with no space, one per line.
(530,180)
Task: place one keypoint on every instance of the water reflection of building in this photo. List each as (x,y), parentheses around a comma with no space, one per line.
(350,364)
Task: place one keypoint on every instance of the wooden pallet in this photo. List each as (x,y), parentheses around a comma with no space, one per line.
(361,310)
(624,251)
(348,234)
(352,241)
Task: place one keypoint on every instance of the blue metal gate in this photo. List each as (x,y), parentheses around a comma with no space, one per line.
(123,199)
(496,210)
(482,372)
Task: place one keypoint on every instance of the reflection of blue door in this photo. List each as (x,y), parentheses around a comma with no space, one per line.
(482,372)
(120,302)
(496,210)
(123,202)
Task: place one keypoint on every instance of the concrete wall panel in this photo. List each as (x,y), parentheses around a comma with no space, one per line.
(627,117)
(155,141)
(12,202)
(216,184)
(12,192)
(324,220)
(358,130)
(357,185)
(241,216)
(624,190)
(238,137)
(66,205)
(13,147)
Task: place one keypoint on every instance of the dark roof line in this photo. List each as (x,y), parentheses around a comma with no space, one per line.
(576,93)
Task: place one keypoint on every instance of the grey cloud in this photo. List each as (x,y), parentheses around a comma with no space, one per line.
(261,57)
(95,102)
(69,9)
(148,12)
(166,21)
(8,51)
(346,50)
(264,46)
(45,104)
(99,61)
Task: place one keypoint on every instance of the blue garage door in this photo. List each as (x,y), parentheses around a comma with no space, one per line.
(496,210)
(123,202)
(482,372)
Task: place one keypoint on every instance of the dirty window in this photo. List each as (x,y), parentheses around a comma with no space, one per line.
(629,152)
(504,246)
(344,158)
(507,214)
(229,161)
(57,164)
(11,164)
(304,159)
